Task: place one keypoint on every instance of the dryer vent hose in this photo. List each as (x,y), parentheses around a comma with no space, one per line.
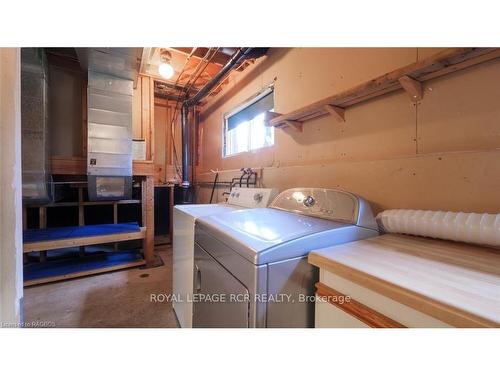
(483,229)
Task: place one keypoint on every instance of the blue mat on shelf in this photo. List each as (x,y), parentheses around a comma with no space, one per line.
(48,234)
(61,267)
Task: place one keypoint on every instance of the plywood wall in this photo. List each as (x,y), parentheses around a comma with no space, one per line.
(441,153)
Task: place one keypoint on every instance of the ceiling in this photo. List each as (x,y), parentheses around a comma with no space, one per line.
(193,67)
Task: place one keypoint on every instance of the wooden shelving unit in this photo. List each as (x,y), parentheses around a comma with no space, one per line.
(409,78)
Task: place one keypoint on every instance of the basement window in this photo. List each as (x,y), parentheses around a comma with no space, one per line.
(244,128)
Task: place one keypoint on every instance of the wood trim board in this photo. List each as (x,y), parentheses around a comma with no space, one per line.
(83,241)
(356,309)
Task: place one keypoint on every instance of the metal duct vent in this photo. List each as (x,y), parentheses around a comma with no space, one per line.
(34,125)
(109,145)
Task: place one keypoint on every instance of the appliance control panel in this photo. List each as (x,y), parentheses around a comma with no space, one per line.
(251,197)
(330,204)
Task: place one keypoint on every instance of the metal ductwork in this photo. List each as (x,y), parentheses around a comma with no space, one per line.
(111,76)
(236,59)
(34,126)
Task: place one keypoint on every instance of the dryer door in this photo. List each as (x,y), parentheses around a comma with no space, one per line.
(212,283)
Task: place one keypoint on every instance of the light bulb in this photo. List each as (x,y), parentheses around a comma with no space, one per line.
(166,70)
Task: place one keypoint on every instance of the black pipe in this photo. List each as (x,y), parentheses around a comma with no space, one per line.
(185,145)
(236,59)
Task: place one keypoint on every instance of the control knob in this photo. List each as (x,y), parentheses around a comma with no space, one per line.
(309,201)
(257,197)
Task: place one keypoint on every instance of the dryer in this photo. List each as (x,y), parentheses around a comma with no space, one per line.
(184,217)
(251,266)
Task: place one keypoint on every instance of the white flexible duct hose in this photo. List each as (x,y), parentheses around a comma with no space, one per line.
(483,229)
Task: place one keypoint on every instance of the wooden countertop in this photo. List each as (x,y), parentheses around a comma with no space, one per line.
(456,283)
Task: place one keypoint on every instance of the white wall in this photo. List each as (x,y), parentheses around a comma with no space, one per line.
(11,283)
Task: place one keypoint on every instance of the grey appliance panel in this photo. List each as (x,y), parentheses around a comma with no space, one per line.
(329,204)
(211,279)
(296,279)
(253,277)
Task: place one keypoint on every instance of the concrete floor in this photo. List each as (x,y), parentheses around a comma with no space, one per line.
(115,299)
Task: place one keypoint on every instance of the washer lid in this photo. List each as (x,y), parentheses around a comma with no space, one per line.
(262,228)
(199,210)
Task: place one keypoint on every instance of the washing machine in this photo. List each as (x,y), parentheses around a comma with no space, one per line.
(250,266)
(184,217)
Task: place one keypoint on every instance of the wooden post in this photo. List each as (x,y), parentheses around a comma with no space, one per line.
(148,218)
(171,214)
(25,226)
(115,221)
(42,224)
(81,216)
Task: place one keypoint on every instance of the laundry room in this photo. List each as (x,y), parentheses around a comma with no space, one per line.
(311,187)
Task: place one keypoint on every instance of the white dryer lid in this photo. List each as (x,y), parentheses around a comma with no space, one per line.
(262,228)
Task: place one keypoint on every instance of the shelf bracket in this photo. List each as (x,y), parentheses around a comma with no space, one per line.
(268,116)
(297,125)
(336,112)
(412,87)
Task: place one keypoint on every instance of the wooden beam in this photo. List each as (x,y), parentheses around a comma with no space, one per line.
(268,116)
(336,112)
(81,216)
(297,125)
(78,166)
(42,224)
(148,219)
(412,87)
(83,241)
(74,275)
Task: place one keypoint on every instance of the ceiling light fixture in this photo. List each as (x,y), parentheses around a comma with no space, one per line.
(165,69)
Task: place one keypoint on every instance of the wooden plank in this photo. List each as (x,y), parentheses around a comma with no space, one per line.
(268,116)
(84,118)
(74,275)
(151,134)
(356,309)
(412,87)
(337,113)
(91,203)
(461,281)
(68,165)
(145,115)
(78,166)
(81,216)
(297,125)
(445,62)
(83,241)
(143,168)
(148,219)
(42,224)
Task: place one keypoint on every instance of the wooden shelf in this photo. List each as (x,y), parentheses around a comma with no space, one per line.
(83,241)
(78,166)
(409,78)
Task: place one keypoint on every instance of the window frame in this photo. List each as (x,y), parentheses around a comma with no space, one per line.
(268,90)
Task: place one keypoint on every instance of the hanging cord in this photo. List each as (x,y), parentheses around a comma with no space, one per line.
(213,186)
